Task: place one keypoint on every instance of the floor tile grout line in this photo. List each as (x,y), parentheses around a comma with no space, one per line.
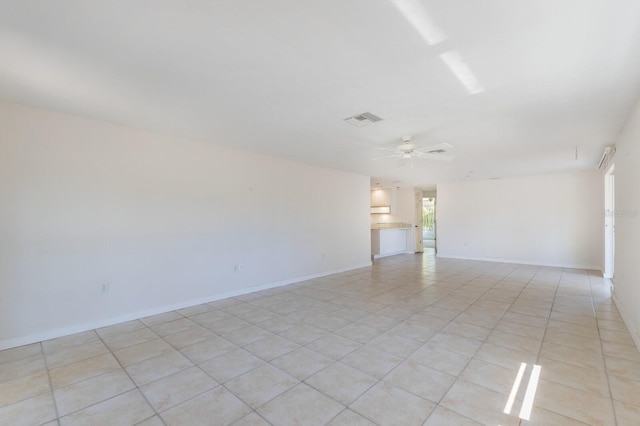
(378,380)
(53,396)
(39,355)
(471,358)
(602,352)
(440,330)
(103,400)
(136,387)
(406,319)
(194,365)
(604,358)
(276,367)
(347,409)
(546,326)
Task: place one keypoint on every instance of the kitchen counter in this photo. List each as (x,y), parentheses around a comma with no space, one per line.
(396,225)
(390,239)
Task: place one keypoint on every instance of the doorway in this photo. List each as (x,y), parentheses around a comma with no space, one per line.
(609,223)
(429,223)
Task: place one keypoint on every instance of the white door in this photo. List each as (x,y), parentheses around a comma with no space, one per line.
(609,224)
(418,222)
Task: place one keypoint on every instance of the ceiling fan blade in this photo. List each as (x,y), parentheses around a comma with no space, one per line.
(387,156)
(426,149)
(440,157)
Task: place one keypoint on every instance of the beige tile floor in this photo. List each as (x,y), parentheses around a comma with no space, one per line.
(414,340)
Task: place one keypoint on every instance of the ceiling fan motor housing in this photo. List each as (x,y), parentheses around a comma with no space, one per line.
(406,146)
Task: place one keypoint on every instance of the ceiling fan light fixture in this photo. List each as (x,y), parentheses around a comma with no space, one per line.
(406,150)
(406,147)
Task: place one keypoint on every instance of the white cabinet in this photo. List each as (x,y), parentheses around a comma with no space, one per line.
(380,197)
(386,242)
(384,197)
(393,241)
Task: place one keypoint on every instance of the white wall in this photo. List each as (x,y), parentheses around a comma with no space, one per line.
(161,220)
(627,199)
(554,219)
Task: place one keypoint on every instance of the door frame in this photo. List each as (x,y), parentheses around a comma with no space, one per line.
(435,224)
(417,230)
(609,223)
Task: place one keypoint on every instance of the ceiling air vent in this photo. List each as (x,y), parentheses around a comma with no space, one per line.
(363,119)
(437,151)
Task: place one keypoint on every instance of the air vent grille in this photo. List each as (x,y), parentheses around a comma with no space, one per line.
(437,151)
(363,119)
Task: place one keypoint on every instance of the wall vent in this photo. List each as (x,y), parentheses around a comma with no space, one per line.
(363,119)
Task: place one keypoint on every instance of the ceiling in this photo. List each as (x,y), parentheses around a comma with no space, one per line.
(536,82)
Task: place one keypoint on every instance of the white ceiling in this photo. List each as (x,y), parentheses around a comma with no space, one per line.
(280,76)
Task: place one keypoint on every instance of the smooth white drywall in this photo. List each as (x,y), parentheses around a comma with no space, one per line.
(626,287)
(554,219)
(161,221)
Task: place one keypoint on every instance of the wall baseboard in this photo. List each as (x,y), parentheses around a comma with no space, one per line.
(520,262)
(92,325)
(634,333)
(380,256)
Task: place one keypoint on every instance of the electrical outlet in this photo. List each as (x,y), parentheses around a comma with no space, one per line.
(239,267)
(104,288)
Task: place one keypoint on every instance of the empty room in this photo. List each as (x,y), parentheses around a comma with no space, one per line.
(367,212)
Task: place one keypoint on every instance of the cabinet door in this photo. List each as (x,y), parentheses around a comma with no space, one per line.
(380,197)
(393,241)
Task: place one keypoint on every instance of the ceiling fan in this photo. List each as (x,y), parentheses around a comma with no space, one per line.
(407,150)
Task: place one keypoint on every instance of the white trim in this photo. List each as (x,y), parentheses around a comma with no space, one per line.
(634,333)
(521,262)
(378,256)
(65,331)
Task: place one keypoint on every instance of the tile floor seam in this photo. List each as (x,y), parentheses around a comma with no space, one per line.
(257,414)
(255,410)
(546,326)
(548,318)
(449,409)
(159,413)
(97,403)
(471,358)
(604,358)
(329,396)
(337,415)
(130,378)
(149,418)
(55,403)
(545,333)
(347,406)
(448,293)
(334,335)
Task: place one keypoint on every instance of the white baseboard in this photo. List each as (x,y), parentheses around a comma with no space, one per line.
(520,262)
(634,333)
(379,256)
(92,325)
